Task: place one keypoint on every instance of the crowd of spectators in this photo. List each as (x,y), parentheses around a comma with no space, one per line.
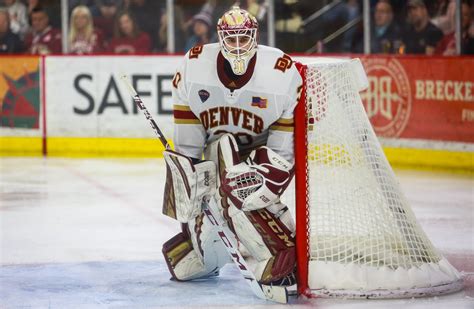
(403,27)
(140,26)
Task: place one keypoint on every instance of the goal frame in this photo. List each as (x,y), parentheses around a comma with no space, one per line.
(302,214)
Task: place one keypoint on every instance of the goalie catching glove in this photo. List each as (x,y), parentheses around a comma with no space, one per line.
(259,181)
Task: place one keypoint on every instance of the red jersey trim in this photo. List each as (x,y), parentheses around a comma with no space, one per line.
(238,82)
(184,115)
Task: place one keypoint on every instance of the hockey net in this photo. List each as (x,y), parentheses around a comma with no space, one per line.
(356,234)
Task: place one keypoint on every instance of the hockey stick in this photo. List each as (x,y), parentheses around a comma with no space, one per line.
(267,292)
(142,107)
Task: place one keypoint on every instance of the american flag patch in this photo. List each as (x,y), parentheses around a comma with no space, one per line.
(259,102)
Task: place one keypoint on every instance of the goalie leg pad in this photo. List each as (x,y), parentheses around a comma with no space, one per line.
(207,242)
(281,212)
(268,239)
(195,253)
(182,260)
(186,184)
(279,269)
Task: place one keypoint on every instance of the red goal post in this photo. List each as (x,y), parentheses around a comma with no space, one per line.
(301,154)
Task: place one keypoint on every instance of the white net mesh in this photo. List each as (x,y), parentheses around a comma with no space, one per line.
(362,233)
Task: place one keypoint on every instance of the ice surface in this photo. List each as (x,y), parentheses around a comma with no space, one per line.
(87,233)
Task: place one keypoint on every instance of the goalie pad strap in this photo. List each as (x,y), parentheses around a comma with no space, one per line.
(198,232)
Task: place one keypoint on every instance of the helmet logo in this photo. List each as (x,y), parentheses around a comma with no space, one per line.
(234,19)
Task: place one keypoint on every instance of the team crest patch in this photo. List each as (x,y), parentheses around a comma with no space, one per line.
(204,95)
(259,102)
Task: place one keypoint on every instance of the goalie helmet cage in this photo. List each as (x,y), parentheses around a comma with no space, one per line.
(357,236)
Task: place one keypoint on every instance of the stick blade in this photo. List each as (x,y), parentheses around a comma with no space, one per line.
(277,294)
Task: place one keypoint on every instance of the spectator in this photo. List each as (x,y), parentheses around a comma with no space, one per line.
(162,39)
(353,11)
(444,16)
(184,20)
(399,11)
(447,46)
(258,8)
(128,39)
(83,38)
(53,8)
(10,43)
(290,30)
(289,21)
(421,37)
(42,38)
(344,13)
(18,17)
(386,35)
(180,29)
(91,5)
(201,26)
(105,21)
(147,15)
(438,7)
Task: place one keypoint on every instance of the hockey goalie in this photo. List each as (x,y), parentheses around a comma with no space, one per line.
(233,136)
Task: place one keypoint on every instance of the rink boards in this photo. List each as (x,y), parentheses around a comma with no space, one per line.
(78,107)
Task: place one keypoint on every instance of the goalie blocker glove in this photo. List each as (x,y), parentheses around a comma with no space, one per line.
(186,185)
(259,181)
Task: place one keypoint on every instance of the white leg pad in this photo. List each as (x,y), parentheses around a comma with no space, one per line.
(195,253)
(208,244)
(249,235)
(190,267)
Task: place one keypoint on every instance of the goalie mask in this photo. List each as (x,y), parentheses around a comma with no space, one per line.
(237,31)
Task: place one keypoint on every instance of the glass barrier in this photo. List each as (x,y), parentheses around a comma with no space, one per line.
(295,26)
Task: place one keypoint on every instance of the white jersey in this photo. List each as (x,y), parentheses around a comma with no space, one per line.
(257,107)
